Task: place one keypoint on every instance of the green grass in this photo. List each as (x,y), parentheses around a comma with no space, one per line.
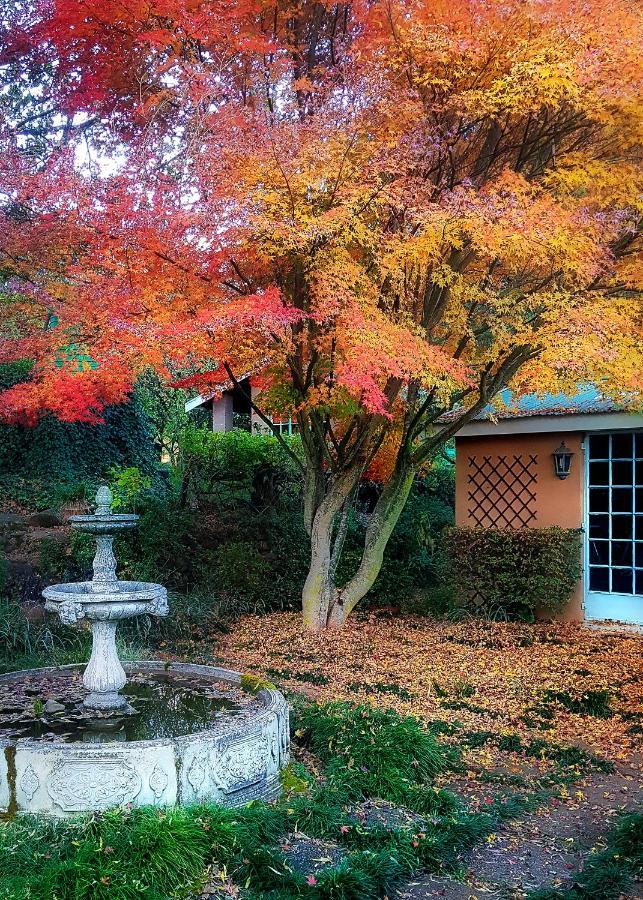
(373,752)
(160,854)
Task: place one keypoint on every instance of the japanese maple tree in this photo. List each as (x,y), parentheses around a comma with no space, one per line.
(388,211)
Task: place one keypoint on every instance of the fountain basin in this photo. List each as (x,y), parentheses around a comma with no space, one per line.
(122,600)
(235,758)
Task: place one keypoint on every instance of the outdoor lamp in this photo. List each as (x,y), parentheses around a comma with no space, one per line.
(562,461)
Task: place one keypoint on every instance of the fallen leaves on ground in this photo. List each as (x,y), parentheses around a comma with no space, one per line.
(485,675)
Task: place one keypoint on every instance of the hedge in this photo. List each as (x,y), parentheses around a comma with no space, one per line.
(511,573)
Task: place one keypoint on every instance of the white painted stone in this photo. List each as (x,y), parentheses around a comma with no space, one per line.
(236,760)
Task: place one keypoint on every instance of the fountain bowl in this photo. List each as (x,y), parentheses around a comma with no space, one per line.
(123,599)
(235,759)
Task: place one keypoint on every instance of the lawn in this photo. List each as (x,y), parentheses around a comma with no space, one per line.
(527,705)
(567,683)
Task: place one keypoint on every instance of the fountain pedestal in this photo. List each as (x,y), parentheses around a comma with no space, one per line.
(104,676)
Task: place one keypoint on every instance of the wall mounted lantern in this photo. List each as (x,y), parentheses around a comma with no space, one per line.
(562,461)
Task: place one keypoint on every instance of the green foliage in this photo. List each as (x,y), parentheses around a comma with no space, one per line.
(511,573)
(145,853)
(242,571)
(55,461)
(164,408)
(234,467)
(129,487)
(152,853)
(409,577)
(27,643)
(373,752)
(596,703)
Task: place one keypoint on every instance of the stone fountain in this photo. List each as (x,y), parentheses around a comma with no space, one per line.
(104,601)
(147,733)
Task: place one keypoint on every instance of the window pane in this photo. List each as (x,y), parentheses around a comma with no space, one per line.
(599,579)
(622,500)
(621,553)
(639,582)
(638,466)
(638,528)
(622,472)
(638,555)
(599,526)
(599,472)
(639,445)
(622,446)
(639,499)
(599,445)
(621,581)
(599,553)
(599,500)
(622,527)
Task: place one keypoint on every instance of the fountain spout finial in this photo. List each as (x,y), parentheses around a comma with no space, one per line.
(103,499)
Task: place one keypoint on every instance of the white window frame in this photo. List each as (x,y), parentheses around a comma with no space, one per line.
(602,606)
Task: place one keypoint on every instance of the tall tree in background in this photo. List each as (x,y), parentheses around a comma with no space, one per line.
(391,210)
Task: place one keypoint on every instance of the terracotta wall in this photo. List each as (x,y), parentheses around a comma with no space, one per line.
(510,474)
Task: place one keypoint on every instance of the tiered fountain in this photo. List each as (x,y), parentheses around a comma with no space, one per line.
(172,733)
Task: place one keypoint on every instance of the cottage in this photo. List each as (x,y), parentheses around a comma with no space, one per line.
(576,462)
(229,406)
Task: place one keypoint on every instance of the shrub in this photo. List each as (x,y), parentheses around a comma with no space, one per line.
(228,468)
(511,573)
(129,488)
(56,461)
(409,574)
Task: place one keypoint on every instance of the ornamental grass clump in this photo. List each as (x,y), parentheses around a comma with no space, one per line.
(373,752)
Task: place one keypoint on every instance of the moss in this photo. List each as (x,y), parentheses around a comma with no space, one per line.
(255,683)
(294,780)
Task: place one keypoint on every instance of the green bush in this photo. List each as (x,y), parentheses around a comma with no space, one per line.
(237,467)
(55,461)
(511,573)
(129,488)
(409,577)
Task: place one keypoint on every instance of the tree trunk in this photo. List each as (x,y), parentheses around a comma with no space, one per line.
(319,591)
(324,604)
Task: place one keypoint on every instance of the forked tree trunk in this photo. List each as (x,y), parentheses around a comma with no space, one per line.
(325,605)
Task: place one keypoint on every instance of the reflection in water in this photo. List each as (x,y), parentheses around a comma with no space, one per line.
(162,706)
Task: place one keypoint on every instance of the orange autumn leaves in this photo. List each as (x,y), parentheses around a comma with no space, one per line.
(418,666)
(370,204)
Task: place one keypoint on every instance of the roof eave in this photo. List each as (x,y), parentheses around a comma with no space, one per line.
(602,421)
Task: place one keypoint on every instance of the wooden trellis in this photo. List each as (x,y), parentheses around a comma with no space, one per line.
(502,490)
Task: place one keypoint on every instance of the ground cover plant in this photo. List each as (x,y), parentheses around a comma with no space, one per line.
(215,852)
(487,676)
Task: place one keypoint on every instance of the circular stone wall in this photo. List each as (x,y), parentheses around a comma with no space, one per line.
(237,759)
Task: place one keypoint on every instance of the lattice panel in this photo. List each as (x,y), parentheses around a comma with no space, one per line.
(502,490)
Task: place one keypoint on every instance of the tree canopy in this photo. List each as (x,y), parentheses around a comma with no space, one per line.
(390,210)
